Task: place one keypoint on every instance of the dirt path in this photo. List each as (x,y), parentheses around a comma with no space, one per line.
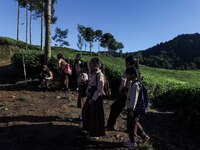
(42,120)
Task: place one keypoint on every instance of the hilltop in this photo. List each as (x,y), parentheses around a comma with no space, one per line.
(182,52)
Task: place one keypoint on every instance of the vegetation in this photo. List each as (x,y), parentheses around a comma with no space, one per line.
(180,53)
(60,37)
(107,40)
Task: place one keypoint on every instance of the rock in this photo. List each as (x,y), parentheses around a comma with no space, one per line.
(13,97)
(58,97)
(117,136)
(6,109)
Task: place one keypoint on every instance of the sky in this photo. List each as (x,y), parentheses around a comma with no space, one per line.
(138,24)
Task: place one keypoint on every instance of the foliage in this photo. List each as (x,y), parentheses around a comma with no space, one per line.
(180,53)
(60,37)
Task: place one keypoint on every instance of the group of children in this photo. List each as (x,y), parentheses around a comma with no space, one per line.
(91,81)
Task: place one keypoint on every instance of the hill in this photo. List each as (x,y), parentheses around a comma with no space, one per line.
(182,52)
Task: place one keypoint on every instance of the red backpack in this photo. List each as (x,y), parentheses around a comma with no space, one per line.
(68,69)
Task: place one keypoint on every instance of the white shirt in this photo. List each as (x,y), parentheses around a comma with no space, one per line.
(133,93)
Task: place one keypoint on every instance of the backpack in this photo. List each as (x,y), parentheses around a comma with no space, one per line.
(106,88)
(68,69)
(143,100)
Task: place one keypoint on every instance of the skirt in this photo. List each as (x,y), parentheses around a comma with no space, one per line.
(93,118)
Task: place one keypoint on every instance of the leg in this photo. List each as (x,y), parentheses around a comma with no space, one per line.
(116,108)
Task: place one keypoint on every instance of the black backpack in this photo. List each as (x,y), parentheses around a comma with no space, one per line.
(143,99)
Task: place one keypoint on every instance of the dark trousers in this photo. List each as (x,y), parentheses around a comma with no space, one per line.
(116,108)
(135,129)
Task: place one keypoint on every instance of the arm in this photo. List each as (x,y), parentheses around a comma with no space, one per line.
(123,82)
(50,76)
(99,90)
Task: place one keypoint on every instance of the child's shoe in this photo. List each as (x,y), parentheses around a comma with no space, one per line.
(130,144)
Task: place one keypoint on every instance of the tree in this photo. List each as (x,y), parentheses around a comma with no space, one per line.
(89,37)
(107,41)
(48,5)
(98,36)
(80,42)
(120,46)
(60,37)
(80,36)
(18,19)
(26,24)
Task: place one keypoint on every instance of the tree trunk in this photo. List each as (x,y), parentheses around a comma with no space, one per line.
(85,45)
(42,27)
(26,24)
(30,27)
(18,21)
(90,49)
(48,31)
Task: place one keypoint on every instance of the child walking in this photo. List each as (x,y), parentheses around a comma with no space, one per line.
(118,105)
(133,104)
(82,82)
(93,112)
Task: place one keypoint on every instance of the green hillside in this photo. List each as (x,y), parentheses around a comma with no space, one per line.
(182,52)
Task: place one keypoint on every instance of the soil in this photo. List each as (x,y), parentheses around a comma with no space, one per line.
(46,120)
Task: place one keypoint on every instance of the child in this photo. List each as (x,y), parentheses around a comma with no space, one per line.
(63,65)
(93,112)
(77,65)
(82,82)
(118,105)
(135,130)
(46,77)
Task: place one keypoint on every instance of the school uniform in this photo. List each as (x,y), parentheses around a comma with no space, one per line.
(135,129)
(118,105)
(93,115)
(82,81)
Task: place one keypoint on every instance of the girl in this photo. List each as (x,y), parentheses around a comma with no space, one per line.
(135,130)
(64,67)
(46,77)
(82,82)
(118,106)
(93,112)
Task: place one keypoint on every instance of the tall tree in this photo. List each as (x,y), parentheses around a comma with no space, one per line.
(30,27)
(82,33)
(26,24)
(60,37)
(42,26)
(89,37)
(48,5)
(98,36)
(106,41)
(18,20)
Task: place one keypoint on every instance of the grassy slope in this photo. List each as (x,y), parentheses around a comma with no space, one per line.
(151,75)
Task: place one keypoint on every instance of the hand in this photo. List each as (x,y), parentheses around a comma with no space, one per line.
(90,102)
